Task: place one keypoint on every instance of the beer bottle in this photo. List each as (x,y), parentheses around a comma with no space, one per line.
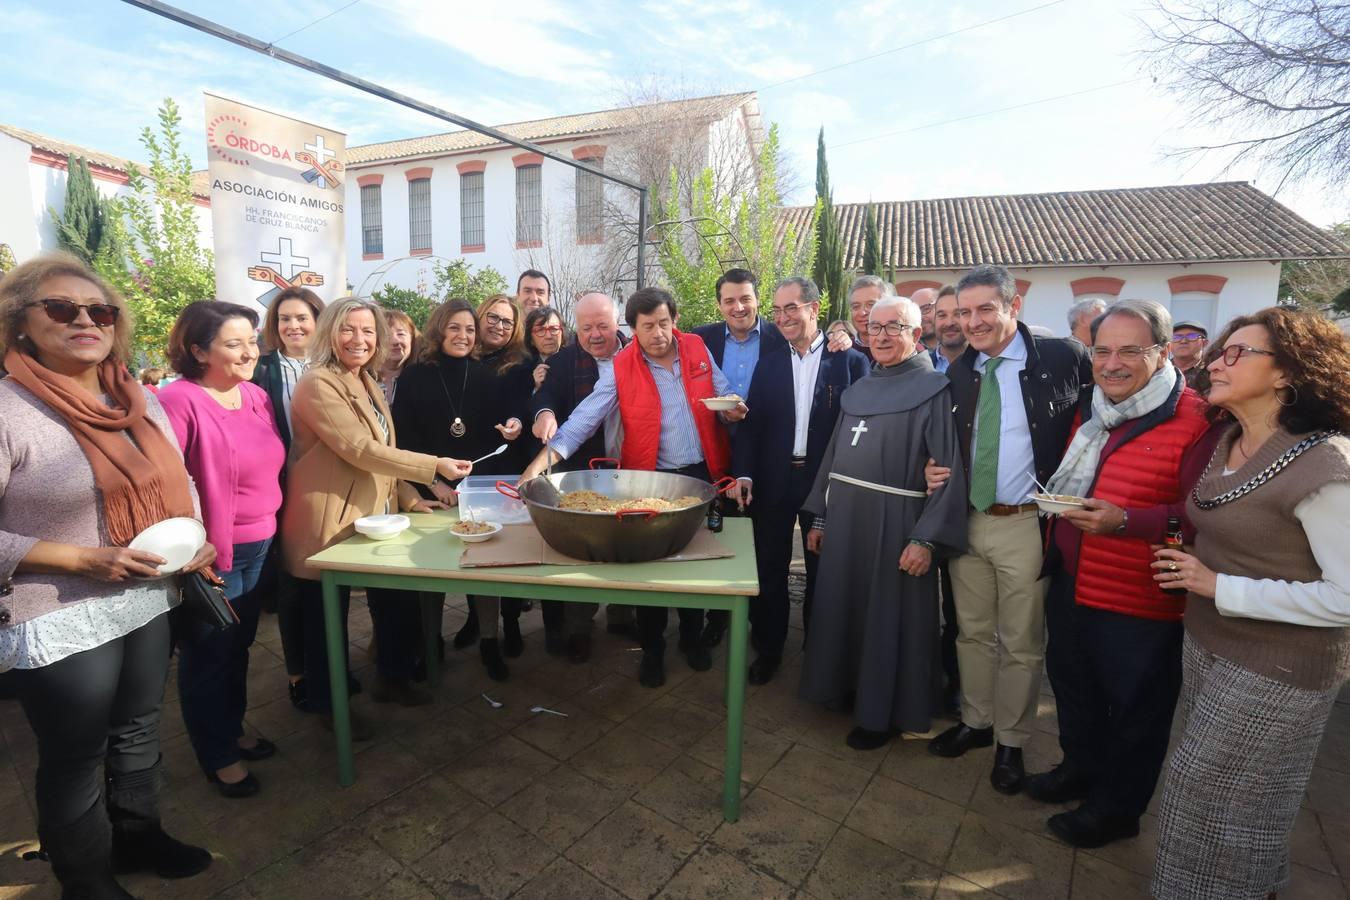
(1173,542)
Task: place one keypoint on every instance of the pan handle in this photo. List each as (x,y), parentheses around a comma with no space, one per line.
(723,484)
(508,489)
(602,459)
(647,514)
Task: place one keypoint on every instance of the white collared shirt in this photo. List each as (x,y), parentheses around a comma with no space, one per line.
(805,370)
(1016,459)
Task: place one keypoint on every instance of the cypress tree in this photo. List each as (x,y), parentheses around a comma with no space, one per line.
(79,227)
(828,270)
(871,243)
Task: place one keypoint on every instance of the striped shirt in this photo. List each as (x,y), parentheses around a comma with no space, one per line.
(679,444)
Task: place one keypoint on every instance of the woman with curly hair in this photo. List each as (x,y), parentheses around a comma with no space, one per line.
(1267,647)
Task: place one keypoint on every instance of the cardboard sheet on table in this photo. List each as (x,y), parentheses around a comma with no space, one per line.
(522,545)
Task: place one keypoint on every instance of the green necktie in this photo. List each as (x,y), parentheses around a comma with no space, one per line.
(984,470)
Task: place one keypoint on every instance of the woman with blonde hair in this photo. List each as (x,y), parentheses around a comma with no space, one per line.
(1267,625)
(87,462)
(347,464)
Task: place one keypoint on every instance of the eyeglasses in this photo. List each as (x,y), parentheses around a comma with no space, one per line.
(546,329)
(494,319)
(786,312)
(1234,352)
(1126,354)
(894,329)
(1189,337)
(63,312)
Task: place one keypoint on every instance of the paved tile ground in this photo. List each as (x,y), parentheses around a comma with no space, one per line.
(622,799)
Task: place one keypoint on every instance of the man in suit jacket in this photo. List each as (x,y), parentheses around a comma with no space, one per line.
(777,450)
(737,342)
(1015,397)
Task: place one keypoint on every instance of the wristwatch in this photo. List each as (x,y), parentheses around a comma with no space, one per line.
(1124,520)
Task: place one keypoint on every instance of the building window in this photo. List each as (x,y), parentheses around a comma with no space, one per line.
(471,209)
(529,206)
(1195,306)
(419,215)
(590,203)
(372,225)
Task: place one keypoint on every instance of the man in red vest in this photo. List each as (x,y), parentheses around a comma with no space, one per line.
(655,384)
(1114,652)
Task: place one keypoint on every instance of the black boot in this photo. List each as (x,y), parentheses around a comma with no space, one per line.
(491,654)
(81,857)
(512,643)
(139,844)
(468,632)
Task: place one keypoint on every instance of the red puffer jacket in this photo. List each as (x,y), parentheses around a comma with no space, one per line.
(1143,471)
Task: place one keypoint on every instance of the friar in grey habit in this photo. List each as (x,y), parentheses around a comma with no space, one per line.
(874,630)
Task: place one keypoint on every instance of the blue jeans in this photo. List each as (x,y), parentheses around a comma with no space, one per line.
(213,664)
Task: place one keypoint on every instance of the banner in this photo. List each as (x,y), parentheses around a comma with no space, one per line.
(276,204)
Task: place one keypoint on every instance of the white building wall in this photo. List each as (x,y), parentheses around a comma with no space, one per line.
(31,189)
(1250,286)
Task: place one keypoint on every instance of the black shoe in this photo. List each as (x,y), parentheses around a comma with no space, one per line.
(512,643)
(1059,785)
(1008,773)
(491,654)
(81,857)
(467,635)
(264,749)
(863,739)
(958,739)
(1086,828)
(579,648)
(763,669)
(299,696)
(235,790)
(652,672)
(700,660)
(712,633)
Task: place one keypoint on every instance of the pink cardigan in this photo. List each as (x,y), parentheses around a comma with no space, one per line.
(212,456)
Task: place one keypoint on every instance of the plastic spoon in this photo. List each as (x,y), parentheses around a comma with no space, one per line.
(498,451)
(545,709)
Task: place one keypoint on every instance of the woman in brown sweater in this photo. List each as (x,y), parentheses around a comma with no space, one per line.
(1267,644)
(346,464)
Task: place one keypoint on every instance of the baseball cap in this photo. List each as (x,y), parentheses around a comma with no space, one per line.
(1189,325)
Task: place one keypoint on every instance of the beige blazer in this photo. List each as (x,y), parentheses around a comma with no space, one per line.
(341,465)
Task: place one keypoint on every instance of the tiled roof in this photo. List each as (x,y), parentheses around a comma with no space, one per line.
(201,185)
(604,121)
(1178,223)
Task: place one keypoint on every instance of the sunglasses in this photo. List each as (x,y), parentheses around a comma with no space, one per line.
(63,312)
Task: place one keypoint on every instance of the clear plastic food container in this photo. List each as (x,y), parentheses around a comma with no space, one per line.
(478,494)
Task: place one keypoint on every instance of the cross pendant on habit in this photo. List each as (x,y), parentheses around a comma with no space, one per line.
(858,431)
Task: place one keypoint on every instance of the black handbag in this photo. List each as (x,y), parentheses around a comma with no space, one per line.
(204,599)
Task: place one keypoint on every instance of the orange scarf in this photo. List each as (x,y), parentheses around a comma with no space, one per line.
(142,480)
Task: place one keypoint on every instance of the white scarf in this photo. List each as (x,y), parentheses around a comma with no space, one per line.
(1079,467)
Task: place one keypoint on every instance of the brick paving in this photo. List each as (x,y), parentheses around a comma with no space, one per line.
(622,798)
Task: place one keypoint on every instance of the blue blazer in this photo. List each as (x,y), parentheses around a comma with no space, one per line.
(762,445)
(715,336)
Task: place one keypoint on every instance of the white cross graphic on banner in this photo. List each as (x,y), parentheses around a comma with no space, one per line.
(286,262)
(319,150)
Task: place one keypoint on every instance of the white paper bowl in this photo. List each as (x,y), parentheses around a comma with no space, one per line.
(1054,504)
(479,538)
(720,404)
(382,528)
(177,540)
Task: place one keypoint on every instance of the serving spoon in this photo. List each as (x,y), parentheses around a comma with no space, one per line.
(500,450)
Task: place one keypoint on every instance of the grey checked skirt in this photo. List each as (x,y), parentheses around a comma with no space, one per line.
(1235,780)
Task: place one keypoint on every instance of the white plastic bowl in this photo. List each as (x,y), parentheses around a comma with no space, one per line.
(1053,505)
(478,538)
(177,540)
(382,528)
(720,404)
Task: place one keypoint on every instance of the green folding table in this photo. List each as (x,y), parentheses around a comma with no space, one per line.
(426,558)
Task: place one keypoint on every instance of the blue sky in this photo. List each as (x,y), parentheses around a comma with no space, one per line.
(93,72)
